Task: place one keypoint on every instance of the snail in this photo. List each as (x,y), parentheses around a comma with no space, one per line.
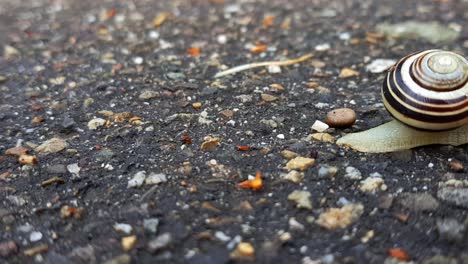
(427,94)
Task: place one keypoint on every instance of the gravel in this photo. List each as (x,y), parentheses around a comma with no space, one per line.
(140,151)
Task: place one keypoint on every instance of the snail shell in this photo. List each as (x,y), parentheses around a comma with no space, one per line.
(428,90)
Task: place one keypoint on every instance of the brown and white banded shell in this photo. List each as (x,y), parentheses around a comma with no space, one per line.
(428,90)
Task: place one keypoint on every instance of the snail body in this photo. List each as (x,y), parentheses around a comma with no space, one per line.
(427,94)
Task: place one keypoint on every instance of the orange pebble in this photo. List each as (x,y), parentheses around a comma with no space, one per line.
(398,253)
(258,48)
(194,51)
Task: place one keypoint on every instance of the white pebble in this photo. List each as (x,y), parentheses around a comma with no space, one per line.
(380,65)
(154,34)
(155,178)
(137,180)
(222,39)
(123,228)
(138,60)
(35,236)
(95,123)
(319,126)
(221,236)
(274,69)
(74,169)
(322,47)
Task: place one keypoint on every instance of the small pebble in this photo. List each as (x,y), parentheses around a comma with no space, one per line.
(371,184)
(243,251)
(348,73)
(380,65)
(95,123)
(319,126)
(52,145)
(352,173)
(341,118)
(327,171)
(294,176)
(295,225)
(268,97)
(197,105)
(300,163)
(128,242)
(35,236)
(322,47)
(274,69)
(339,218)
(151,225)
(301,198)
(155,178)
(123,228)
(137,180)
(287,154)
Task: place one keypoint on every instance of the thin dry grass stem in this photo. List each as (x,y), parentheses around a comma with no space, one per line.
(263,64)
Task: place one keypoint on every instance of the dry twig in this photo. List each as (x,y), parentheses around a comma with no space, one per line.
(263,64)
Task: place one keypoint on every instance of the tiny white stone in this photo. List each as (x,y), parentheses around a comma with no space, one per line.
(353,173)
(295,225)
(231,123)
(95,123)
(321,105)
(380,65)
(221,236)
(322,47)
(123,228)
(222,39)
(274,69)
(74,169)
(155,178)
(280,136)
(35,236)
(319,126)
(137,180)
(154,34)
(344,36)
(138,60)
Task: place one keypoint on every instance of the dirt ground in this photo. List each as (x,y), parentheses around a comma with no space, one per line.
(134,151)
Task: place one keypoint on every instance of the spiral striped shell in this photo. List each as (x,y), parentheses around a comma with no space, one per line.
(428,90)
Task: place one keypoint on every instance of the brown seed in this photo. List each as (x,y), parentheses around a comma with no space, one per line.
(27,160)
(456,166)
(341,117)
(268,97)
(227,113)
(276,86)
(210,144)
(348,73)
(197,105)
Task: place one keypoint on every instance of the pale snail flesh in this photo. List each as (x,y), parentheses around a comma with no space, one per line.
(427,92)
